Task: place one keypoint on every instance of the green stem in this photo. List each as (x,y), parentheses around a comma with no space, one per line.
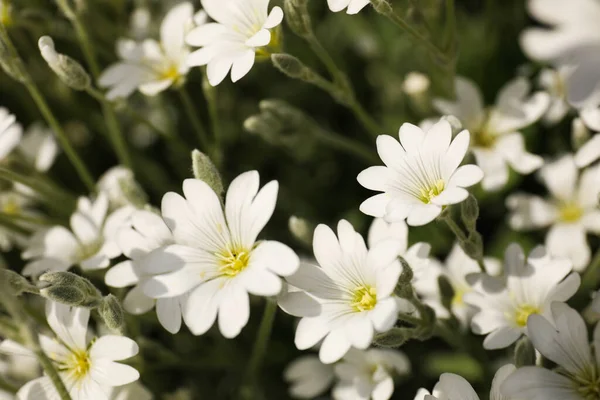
(7,386)
(592,274)
(258,352)
(462,238)
(28,219)
(210,93)
(194,119)
(31,339)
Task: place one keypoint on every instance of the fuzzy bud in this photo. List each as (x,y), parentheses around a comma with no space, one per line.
(395,337)
(292,67)
(66,68)
(112,313)
(205,170)
(407,273)
(470,212)
(301,229)
(10,64)
(17,283)
(524,353)
(71,289)
(297,17)
(473,246)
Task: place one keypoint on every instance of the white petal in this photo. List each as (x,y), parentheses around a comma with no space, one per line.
(451,195)
(423,214)
(113,348)
(234,311)
(136,302)
(384,315)
(9,139)
(69,323)
(589,152)
(374,178)
(375,206)
(309,332)
(260,282)
(109,373)
(200,312)
(275,17)
(411,137)
(501,338)
(277,257)
(466,175)
(243,64)
(334,347)
(456,152)
(561,177)
(169,315)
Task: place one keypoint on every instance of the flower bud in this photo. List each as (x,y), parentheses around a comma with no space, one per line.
(395,337)
(205,170)
(62,284)
(66,68)
(297,17)
(17,283)
(292,67)
(524,353)
(112,313)
(69,295)
(473,246)
(416,84)
(407,274)
(470,212)
(10,64)
(301,229)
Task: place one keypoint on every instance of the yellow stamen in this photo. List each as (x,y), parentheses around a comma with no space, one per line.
(172,72)
(78,364)
(427,194)
(365,298)
(233,261)
(457,300)
(11,207)
(570,212)
(523,312)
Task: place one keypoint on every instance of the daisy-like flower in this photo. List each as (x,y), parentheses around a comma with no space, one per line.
(10,132)
(217,258)
(455,387)
(354,288)
(574,29)
(565,342)
(150,66)
(571,212)
(308,377)
(351,6)
(88,368)
(16,202)
(457,267)
(529,287)
(121,188)
(421,175)
(90,243)
(241,32)
(496,140)
(369,374)
(555,83)
(144,232)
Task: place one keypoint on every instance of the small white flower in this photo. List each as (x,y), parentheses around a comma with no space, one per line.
(574,29)
(144,233)
(421,175)
(571,212)
(91,242)
(217,258)
(121,188)
(354,287)
(565,342)
(39,147)
(88,368)
(555,82)
(529,287)
(455,387)
(496,140)
(151,66)
(351,6)
(308,377)
(416,83)
(241,32)
(16,201)
(457,267)
(369,374)
(10,132)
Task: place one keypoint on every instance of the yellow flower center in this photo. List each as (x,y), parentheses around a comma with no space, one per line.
(364,299)
(483,138)
(570,212)
(588,383)
(86,250)
(172,72)
(232,262)
(5,11)
(11,207)
(457,299)
(523,312)
(273,47)
(428,193)
(78,364)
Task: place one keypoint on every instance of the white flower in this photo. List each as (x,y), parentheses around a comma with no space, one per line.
(417,255)
(355,289)
(351,6)
(416,83)
(457,267)
(571,212)
(91,242)
(555,82)
(10,132)
(39,147)
(574,29)
(151,66)
(144,233)
(369,374)
(121,188)
(496,140)
(16,201)
(421,175)
(217,257)
(241,30)
(566,343)
(529,287)
(308,377)
(455,387)
(132,391)
(87,367)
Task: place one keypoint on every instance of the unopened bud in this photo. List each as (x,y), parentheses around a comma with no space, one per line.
(301,229)
(579,133)
(10,64)
(292,67)
(112,313)
(470,212)
(395,337)
(69,295)
(297,17)
(66,68)
(407,275)
(473,246)
(205,170)
(416,84)
(382,7)
(16,283)
(524,353)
